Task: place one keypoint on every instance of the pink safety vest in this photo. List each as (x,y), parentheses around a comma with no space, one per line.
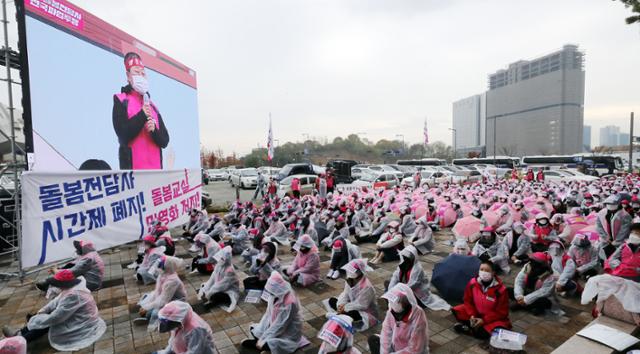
(145,154)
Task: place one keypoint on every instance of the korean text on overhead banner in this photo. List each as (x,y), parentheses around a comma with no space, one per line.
(108,208)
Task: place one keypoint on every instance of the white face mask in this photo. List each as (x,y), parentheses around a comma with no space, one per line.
(543,222)
(555,251)
(485,276)
(140,84)
(396,306)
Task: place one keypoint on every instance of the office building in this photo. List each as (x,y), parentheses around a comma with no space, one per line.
(609,135)
(469,124)
(536,107)
(586,138)
(623,139)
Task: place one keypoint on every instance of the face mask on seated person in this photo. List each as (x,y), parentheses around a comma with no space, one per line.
(399,310)
(168,326)
(353,281)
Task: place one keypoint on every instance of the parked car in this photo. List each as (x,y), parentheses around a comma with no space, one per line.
(377,180)
(217,174)
(565,175)
(387,169)
(205,176)
(307,184)
(357,172)
(269,172)
(245,178)
(295,169)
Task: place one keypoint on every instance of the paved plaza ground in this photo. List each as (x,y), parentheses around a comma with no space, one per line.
(121,292)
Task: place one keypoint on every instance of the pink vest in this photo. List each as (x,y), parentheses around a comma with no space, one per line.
(145,154)
(629,263)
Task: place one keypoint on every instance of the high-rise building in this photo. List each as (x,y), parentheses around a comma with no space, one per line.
(623,139)
(536,107)
(586,138)
(610,135)
(469,123)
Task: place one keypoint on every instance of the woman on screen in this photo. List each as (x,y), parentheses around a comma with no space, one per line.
(138,124)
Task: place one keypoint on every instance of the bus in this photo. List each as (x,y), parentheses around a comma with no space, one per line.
(596,164)
(422,162)
(498,161)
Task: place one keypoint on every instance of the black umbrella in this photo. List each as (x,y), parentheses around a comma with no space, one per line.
(452,274)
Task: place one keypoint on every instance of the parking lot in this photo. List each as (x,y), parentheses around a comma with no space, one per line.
(222,193)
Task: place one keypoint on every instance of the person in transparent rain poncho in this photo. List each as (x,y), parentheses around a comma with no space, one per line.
(280,329)
(422,238)
(71,319)
(337,336)
(358,299)
(203,263)
(190,334)
(305,269)
(87,264)
(264,264)
(410,272)
(13,345)
(405,328)
(146,272)
(168,288)
(223,287)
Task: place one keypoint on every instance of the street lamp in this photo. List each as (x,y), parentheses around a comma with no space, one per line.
(455,136)
(402,136)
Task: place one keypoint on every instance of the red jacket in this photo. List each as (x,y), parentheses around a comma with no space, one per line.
(629,263)
(491,306)
(540,232)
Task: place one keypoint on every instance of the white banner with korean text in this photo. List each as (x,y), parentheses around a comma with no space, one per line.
(108,208)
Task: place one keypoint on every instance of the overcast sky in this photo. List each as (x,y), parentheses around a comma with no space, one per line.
(379,67)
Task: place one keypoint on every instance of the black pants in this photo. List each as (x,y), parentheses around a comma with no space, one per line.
(253,344)
(296,194)
(338,260)
(539,247)
(608,250)
(590,273)
(537,308)
(333,303)
(478,332)
(390,254)
(365,239)
(219,299)
(374,344)
(202,268)
(254,283)
(33,334)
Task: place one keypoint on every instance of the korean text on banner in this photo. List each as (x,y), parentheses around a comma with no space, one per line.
(109,208)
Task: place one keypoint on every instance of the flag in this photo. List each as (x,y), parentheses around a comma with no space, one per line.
(270,141)
(426,133)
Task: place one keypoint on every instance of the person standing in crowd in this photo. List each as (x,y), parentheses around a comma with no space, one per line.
(168,288)
(137,122)
(260,185)
(625,260)
(272,189)
(189,332)
(330,182)
(534,286)
(529,177)
(486,305)
(540,175)
(405,328)
(71,320)
(295,187)
(358,299)
(322,186)
(613,225)
(305,269)
(280,329)
(87,264)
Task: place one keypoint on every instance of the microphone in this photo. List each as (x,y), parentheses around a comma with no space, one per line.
(146,98)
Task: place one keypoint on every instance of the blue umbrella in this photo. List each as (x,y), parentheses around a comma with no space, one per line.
(452,274)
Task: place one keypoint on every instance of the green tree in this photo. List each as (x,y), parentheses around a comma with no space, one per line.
(635,8)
